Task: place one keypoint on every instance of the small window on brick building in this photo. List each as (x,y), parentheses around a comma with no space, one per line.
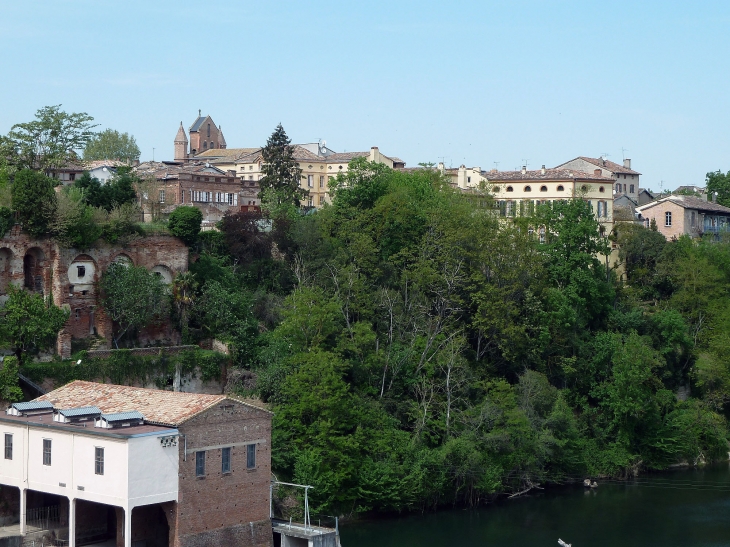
(80,271)
(70,290)
(668,218)
(226,460)
(77,313)
(200,464)
(250,456)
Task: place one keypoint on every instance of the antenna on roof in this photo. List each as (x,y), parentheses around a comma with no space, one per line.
(153,154)
(496,166)
(524,162)
(623,153)
(198,113)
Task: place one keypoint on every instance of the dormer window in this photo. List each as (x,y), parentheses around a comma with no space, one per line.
(543,188)
(528,189)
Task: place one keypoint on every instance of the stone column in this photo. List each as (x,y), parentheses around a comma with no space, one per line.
(22,511)
(72,522)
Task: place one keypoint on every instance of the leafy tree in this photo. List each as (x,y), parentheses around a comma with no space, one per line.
(50,142)
(118,190)
(28,323)
(34,201)
(112,145)
(133,297)
(719,182)
(75,224)
(185,223)
(280,185)
(9,389)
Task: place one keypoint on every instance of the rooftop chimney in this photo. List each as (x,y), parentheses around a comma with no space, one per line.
(441,166)
(542,169)
(524,169)
(627,163)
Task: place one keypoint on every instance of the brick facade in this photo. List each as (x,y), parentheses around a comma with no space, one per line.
(71,277)
(224,509)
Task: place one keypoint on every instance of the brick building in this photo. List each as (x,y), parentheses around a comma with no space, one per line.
(71,277)
(204,135)
(138,467)
(686,215)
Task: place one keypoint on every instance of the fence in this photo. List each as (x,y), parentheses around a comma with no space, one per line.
(42,518)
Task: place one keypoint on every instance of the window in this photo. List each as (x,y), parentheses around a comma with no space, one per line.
(208,131)
(668,218)
(510,189)
(560,188)
(200,464)
(250,167)
(310,202)
(226,460)
(693,219)
(528,189)
(321,181)
(321,200)
(81,271)
(250,456)
(72,176)
(468,179)
(99,460)
(602,209)
(601,189)
(46,451)
(70,290)
(162,196)
(8,446)
(77,313)
(631,188)
(310,181)
(205,145)
(543,188)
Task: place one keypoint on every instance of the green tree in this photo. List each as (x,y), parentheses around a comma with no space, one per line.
(185,223)
(112,145)
(34,201)
(75,224)
(28,323)
(280,185)
(117,191)
(9,389)
(133,297)
(52,140)
(719,182)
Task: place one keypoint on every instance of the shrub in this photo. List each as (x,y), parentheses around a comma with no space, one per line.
(185,223)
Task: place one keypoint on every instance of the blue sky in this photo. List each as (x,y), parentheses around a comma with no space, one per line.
(470,82)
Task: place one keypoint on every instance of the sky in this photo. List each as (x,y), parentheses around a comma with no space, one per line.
(482,83)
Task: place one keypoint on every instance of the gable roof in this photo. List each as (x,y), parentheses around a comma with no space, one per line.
(689,202)
(604,164)
(227,153)
(198,122)
(167,408)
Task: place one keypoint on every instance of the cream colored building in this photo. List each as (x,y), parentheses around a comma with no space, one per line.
(318,163)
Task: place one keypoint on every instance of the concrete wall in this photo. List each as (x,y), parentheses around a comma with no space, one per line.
(153,471)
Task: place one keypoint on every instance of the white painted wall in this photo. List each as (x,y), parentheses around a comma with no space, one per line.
(12,471)
(111,487)
(153,471)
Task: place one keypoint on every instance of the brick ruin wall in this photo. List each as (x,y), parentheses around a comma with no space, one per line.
(71,277)
(222,509)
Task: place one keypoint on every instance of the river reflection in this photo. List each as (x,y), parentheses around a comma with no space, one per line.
(688,508)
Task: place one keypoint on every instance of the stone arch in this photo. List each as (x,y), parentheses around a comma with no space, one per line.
(164,272)
(82,270)
(6,257)
(123,259)
(33,263)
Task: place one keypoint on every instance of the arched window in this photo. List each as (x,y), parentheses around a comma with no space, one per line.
(601,189)
(543,188)
(208,131)
(528,189)
(584,188)
(205,145)
(510,189)
(560,188)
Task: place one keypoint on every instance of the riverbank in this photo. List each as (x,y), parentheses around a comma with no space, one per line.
(679,508)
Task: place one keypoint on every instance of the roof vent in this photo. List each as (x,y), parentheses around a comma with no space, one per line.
(542,169)
(120,419)
(74,415)
(30,409)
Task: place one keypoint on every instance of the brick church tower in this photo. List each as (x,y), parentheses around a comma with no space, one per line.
(181,145)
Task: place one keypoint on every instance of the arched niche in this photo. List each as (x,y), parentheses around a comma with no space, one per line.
(164,272)
(82,270)
(6,257)
(123,259)
(33,263)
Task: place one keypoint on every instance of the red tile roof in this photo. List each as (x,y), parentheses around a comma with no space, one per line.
(158,407)
(605,164)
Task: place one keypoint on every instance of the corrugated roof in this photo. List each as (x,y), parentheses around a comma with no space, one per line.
(123,416)
(33,405)
(158,407)
(81,411)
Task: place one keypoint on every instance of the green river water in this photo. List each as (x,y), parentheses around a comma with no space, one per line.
(689,508)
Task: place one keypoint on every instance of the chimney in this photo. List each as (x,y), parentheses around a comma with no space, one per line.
(542,169)
(714,197)
(597,172)
(524,169)
(627,163)
(441,166)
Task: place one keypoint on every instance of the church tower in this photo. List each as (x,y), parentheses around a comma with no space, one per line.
(181,145)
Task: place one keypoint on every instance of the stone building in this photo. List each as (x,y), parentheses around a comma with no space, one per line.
(71,276)
(130,466)
(686,215)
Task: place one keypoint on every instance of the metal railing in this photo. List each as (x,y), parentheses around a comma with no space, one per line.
(42,517)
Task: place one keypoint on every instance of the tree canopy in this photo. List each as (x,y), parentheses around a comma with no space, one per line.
(280,184)
(110,144)
(719,182)
(34,201)
(184,222)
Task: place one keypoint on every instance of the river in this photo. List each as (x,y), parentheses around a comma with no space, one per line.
(688,508)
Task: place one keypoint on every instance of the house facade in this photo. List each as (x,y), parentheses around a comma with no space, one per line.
(626,180)
(678,215)
(137,466)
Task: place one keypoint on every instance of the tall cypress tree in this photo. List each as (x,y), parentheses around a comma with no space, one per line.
(280,184)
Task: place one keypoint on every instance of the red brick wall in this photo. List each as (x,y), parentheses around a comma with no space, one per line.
(225,509)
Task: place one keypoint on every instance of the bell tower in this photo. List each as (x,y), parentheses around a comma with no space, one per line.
(181,145)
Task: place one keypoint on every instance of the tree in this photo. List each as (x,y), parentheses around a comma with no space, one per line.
(75,224)
(280,184)
(51,140)
(115,193)
(28,323)
(185,223)
(34,201)
(112,145)
(133,297)
(720,183)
